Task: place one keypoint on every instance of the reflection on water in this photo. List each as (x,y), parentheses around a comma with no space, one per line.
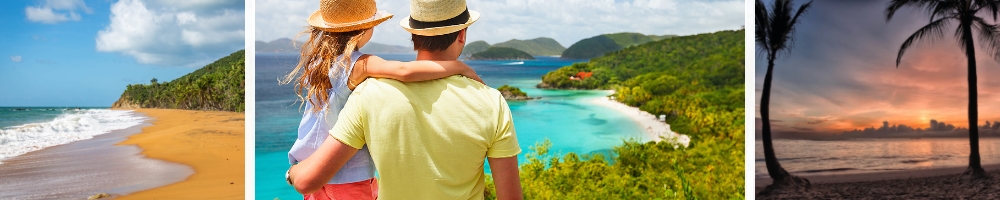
(808,157)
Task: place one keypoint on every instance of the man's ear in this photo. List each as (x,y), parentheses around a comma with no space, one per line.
(461,36)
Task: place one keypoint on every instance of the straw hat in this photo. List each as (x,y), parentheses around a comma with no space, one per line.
(347,15)
(438,17)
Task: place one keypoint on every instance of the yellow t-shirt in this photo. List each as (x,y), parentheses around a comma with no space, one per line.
(428,139)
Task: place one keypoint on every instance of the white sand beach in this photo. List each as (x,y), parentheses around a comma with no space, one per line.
(653,126)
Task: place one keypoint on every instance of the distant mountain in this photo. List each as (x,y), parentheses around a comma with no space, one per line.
(279,45)
(541,46)
(475,47)
(502,53)
(599,45)
(284,45)
(373,47)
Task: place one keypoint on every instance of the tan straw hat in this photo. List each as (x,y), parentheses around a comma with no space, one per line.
(347,15)
(438,17)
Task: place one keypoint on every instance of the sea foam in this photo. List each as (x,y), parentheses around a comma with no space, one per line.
(72,125)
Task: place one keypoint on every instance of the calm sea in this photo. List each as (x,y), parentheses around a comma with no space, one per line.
(563,116)
(810,157)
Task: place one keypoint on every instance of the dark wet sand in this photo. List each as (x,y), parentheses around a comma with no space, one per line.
(83,168)
(940,183)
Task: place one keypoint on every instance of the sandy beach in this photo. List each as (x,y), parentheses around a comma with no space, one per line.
(654,128)
(83,168)
(211,142)
(939,183)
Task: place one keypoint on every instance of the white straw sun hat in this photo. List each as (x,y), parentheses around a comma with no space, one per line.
(438,17)
(347,15)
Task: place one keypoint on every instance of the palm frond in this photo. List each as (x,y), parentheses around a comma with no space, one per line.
(895,5)
(989,34)
(945,9)
(934,29)
(762,26)
(991,7)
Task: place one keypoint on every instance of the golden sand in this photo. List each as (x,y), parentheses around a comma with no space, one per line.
(211,142)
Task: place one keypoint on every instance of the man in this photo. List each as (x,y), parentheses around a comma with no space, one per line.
(428,139)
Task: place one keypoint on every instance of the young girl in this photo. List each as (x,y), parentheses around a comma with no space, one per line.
(329,69)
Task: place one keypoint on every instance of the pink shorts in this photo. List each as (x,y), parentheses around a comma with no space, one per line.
(361,190)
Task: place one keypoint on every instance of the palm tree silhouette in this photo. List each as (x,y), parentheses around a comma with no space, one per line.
(773,35)
(964,12)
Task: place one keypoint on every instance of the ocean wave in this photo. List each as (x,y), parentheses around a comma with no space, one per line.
(70,126)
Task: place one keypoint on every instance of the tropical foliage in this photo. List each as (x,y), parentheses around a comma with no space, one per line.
(217,86)
(502,53)
(698,82)
(711,168)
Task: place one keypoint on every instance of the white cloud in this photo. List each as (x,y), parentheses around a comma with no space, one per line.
(55,11)
(173,34)
(567,21)
(15,58)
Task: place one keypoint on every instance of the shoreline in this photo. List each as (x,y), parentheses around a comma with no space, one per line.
(210,142)
(87,167)
(918,183)
(653,127)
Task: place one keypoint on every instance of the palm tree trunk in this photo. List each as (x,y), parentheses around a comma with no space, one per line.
(975,167)
(770,160)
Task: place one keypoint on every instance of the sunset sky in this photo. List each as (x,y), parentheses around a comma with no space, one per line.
(841,75)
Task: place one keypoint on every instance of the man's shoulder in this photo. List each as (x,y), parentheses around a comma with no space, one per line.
(468,88)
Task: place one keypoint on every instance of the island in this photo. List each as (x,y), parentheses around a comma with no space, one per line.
(475,47)
(514,93)
(501,53)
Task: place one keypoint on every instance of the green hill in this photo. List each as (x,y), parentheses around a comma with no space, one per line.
(217,86)
(697,82)
(502,53)
(542,46)
(475,47)
(601,44)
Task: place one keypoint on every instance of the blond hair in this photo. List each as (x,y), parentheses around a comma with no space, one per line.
(324,50)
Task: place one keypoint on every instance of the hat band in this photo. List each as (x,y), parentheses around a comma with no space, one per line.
(460,19)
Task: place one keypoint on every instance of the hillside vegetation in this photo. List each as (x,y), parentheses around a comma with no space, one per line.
(217,86)
(697,81)
(599,45)
(502,53)
(542,46)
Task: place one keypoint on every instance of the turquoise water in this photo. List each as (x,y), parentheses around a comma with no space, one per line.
(565,117)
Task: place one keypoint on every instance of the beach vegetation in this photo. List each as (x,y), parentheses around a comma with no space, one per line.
(966,14)
(217,86)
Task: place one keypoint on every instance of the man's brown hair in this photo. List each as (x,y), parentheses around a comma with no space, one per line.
(434,43)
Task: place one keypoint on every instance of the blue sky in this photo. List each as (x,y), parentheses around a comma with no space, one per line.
(84,53)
